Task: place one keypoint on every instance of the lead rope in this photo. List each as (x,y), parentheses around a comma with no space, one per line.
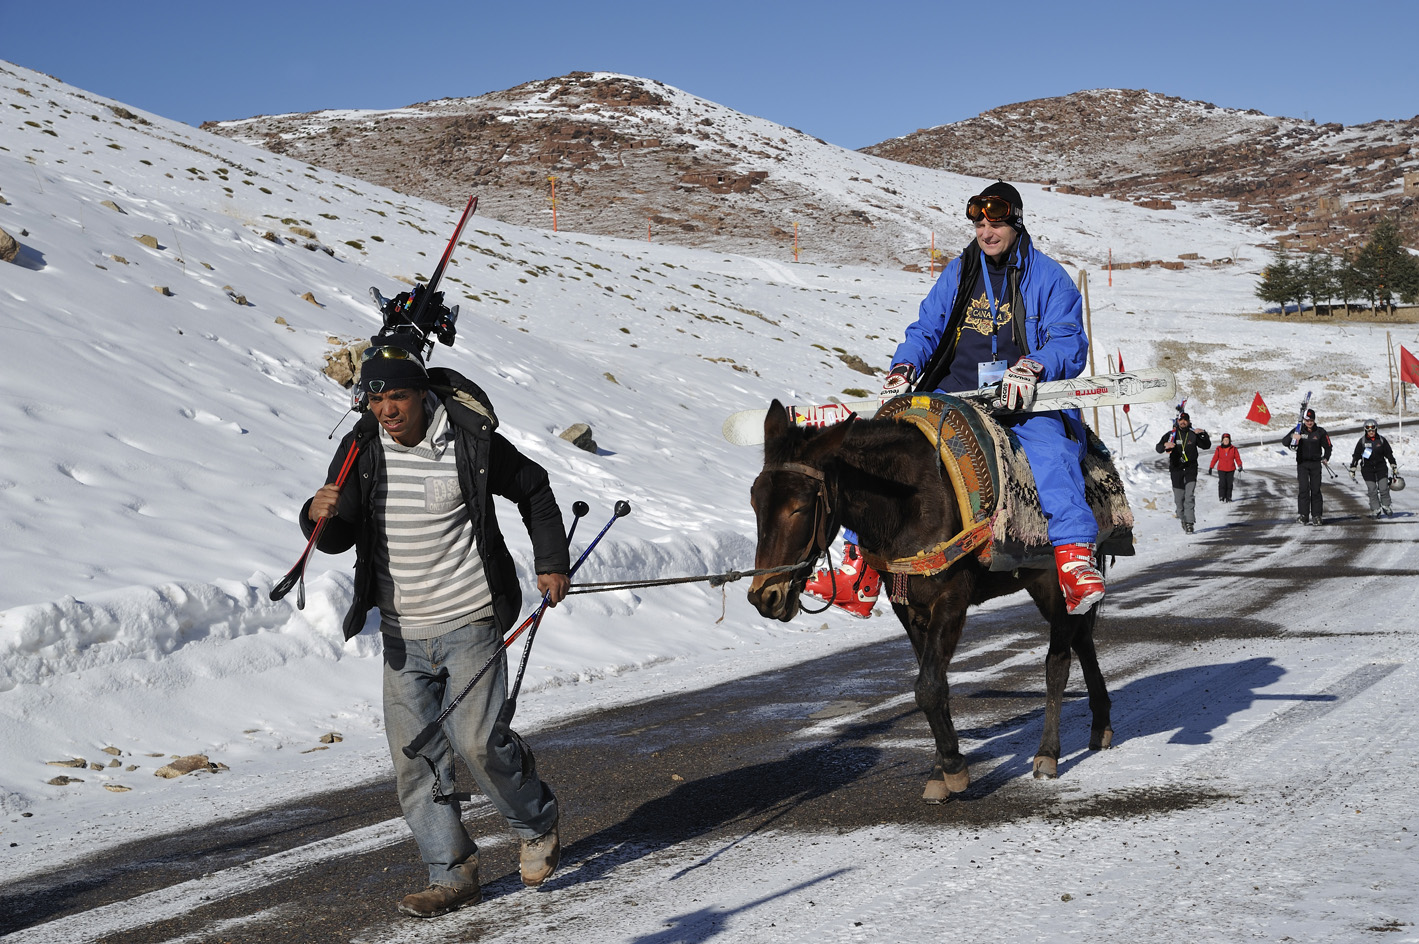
(714,580)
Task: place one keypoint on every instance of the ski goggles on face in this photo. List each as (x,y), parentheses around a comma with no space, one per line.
(993,209)
(1369,425)
(396,353)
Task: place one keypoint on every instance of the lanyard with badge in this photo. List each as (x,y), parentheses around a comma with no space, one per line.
(993,370)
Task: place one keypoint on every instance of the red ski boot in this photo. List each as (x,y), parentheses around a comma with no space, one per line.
(1080,580)
(857,586)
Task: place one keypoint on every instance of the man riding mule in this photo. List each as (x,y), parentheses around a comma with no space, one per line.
(1002,311)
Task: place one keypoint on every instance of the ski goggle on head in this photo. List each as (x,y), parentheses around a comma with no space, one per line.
(396,353)
(993,209)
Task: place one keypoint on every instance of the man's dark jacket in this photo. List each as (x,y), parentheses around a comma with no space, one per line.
(1182,461)
(1374,468)
(1313,447)
(487,465)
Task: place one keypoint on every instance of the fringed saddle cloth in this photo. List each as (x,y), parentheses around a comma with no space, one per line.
(995,491)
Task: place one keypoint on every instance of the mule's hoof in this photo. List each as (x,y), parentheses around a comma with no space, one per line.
(939,791)
(1102,740)
(1046,768)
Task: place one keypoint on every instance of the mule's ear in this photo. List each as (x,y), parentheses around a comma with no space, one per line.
(831,438)
(776,422)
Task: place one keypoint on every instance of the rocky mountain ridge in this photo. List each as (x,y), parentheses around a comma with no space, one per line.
(1316,185)
(639,159)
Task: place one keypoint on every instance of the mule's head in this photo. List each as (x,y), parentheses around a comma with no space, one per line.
(792,508)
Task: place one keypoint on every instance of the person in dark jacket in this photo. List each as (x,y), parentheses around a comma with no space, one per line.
(1182,443)
(1312,448)
(417,507)
(1375,460)
(1227,461)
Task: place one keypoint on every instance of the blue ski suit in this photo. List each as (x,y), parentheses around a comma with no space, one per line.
(1050,333)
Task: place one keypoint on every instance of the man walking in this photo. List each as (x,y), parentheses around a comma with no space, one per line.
(417,507)
(1375,459)
(1312,447)
(1181,444)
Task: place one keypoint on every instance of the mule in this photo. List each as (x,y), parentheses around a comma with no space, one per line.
(882,479)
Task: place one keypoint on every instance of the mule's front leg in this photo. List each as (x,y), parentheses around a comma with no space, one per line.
(935,643)
(1057,665)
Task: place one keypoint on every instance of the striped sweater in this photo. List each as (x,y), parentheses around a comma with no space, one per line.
(428,573)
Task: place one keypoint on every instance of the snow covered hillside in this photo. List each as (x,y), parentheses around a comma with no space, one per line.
(164,414)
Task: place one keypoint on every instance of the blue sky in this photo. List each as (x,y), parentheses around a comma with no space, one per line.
(850,73)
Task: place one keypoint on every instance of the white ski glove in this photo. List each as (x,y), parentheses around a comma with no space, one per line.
(898,382)
(1018,387)
(1352,473)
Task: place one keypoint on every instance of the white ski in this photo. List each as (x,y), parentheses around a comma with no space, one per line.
(1149,385)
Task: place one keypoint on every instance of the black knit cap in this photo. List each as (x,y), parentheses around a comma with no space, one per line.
(1184,416)
(380,373)
(1001,189)
(1310,414)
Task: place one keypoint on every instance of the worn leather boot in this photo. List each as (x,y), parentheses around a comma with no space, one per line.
(441,899)
(539,857)
(1080,580)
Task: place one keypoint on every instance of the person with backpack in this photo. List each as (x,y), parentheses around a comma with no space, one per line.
(1312,446)
(1227,461)
(1375,460)
(418,510)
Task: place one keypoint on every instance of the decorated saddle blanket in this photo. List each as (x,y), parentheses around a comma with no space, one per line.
(991,478)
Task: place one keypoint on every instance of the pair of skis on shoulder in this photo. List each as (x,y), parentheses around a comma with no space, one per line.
(1149,385)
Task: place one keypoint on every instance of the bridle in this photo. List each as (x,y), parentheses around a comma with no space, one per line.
(823,526)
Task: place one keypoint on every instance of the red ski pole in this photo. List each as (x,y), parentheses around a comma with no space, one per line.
(296,576)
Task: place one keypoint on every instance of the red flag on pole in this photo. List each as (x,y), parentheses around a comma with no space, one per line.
(1408,366)
(1259,413)
(1120,370)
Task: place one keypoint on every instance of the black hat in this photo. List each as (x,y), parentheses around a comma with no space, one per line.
(1184,416)
(1005,191)
(1001,189)
(390,367)
(1310,414)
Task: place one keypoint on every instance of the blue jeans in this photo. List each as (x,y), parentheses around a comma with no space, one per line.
(420,678)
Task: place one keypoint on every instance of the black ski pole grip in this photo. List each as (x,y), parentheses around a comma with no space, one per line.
(623,508)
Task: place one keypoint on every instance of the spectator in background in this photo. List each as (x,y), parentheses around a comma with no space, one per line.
(1312,446)
(1182,443)
(1375,459)
(1227,462)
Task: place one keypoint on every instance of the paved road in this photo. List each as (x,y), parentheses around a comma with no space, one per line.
(833,744)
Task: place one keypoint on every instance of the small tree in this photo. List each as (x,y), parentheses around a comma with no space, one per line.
(1383,264)
(1279,282)
(1349,283)
(1319,277)
(1407,281)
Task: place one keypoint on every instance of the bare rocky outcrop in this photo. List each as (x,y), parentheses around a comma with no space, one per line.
(1327,183)
(9,248)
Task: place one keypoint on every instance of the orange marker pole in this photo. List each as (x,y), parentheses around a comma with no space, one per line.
(795,242)
(931,269)
(554,203)
(1111,268)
